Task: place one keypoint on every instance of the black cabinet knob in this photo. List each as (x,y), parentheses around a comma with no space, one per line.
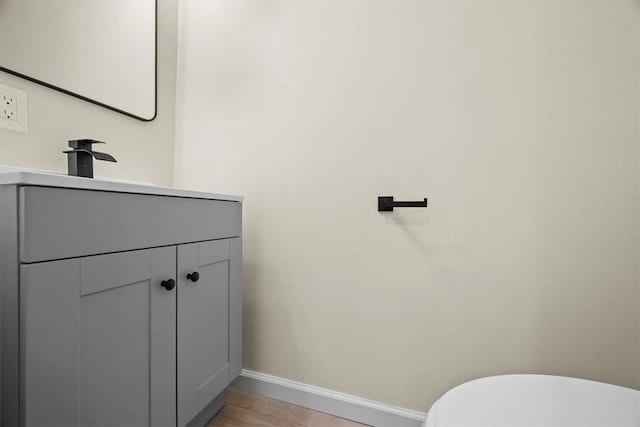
(194,277)
(168,284)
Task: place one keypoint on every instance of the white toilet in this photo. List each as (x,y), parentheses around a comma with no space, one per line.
(535,400)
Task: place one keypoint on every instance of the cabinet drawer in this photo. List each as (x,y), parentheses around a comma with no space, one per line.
(60,223)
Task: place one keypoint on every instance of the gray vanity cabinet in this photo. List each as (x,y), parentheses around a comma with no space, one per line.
(119,308)
(99,340)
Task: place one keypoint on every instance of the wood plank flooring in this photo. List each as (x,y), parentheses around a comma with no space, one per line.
(250,410)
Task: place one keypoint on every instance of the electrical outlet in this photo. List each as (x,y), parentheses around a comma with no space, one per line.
(13,109)
(8,107)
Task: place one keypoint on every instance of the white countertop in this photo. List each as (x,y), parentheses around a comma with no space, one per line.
(17,176)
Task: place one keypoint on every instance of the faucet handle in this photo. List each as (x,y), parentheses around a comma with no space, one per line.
(84,143)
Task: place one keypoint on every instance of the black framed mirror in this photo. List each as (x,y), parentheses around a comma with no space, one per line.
(100,51)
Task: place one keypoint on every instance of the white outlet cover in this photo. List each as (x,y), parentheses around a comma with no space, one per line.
(8,107)
(21,124)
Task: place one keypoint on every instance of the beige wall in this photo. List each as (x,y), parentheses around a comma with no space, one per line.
(144,150)
(518,119)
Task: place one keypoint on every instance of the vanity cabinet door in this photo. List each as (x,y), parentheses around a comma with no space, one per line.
(209,322)
(99,337)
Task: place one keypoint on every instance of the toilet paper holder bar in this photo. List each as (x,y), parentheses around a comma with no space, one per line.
(386,204)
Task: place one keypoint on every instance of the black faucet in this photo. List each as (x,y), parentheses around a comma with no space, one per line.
(80,159)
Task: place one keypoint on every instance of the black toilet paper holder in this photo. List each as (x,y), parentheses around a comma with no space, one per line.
(386,204)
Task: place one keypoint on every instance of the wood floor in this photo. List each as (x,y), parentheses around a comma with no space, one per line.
(250,410)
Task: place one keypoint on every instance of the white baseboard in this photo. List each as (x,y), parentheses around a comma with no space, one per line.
(331,402)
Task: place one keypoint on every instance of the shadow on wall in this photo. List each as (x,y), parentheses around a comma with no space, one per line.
(264,297)
(404,220)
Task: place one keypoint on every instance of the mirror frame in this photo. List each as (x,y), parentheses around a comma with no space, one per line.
(101,104)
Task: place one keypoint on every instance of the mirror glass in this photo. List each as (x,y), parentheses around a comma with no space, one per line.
(102,51)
